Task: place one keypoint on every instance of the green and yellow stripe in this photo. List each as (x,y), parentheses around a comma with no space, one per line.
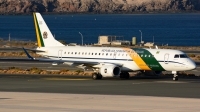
(38,32)
(138,60)
(144,59)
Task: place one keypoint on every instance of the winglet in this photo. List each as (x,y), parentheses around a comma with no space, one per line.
(28,55)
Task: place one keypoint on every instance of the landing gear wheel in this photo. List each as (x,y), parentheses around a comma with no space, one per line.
(124,75)
(99,76)
(94,76)
(175,78)
(127,76)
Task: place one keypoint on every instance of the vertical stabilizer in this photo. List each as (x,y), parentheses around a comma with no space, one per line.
(43,34)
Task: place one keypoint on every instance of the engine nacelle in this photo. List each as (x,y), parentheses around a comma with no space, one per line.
(110,70)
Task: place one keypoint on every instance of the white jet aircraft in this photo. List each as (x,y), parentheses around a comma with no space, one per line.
(109,61)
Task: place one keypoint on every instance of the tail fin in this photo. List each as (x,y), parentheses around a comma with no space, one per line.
(43,34)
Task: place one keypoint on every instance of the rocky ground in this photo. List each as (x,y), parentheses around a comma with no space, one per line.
(97,6)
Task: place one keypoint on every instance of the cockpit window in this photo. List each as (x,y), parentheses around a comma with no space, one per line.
(183,56)
(180,56)
(176,56)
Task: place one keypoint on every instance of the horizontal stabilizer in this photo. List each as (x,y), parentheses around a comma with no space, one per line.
(35,50)
(28,55)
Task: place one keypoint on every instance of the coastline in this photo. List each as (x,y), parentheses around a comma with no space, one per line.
(94,13)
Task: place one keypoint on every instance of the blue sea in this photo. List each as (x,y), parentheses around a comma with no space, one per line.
(171,29)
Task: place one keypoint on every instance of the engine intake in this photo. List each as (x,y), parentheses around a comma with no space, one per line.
(110,70)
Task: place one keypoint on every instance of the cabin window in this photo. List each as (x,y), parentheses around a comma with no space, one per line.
(110,54)
(99,53)
(68,52)
(75,52)
(145,56)
(106,54)
(85,53)
(88,53)
(149,55)
(102,53)
(118,54)
(92,53)
(72,52)
(95,53)
(176,56)
(141,55)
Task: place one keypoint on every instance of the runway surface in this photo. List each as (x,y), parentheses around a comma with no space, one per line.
(81,94)
(154,86)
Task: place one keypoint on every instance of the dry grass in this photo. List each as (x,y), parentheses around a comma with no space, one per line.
(35,70)
(25,44)
(195,57)
(17,54)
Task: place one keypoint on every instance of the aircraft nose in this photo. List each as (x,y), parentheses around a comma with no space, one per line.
(193,66)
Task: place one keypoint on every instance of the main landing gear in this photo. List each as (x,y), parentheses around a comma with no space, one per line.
(96,76)
(124,75)
(175,78)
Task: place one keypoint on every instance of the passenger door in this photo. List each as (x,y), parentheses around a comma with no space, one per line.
(114,55)
(60,54)
(166,58)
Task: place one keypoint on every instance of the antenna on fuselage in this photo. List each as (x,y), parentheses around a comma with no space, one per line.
(156,47)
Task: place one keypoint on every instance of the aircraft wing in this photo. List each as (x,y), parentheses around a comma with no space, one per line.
(79,64)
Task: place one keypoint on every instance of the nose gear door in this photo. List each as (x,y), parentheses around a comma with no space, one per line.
(166,58)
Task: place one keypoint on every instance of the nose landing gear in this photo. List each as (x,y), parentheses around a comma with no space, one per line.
(175,78)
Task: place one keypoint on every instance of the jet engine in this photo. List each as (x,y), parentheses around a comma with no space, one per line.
(110,70)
